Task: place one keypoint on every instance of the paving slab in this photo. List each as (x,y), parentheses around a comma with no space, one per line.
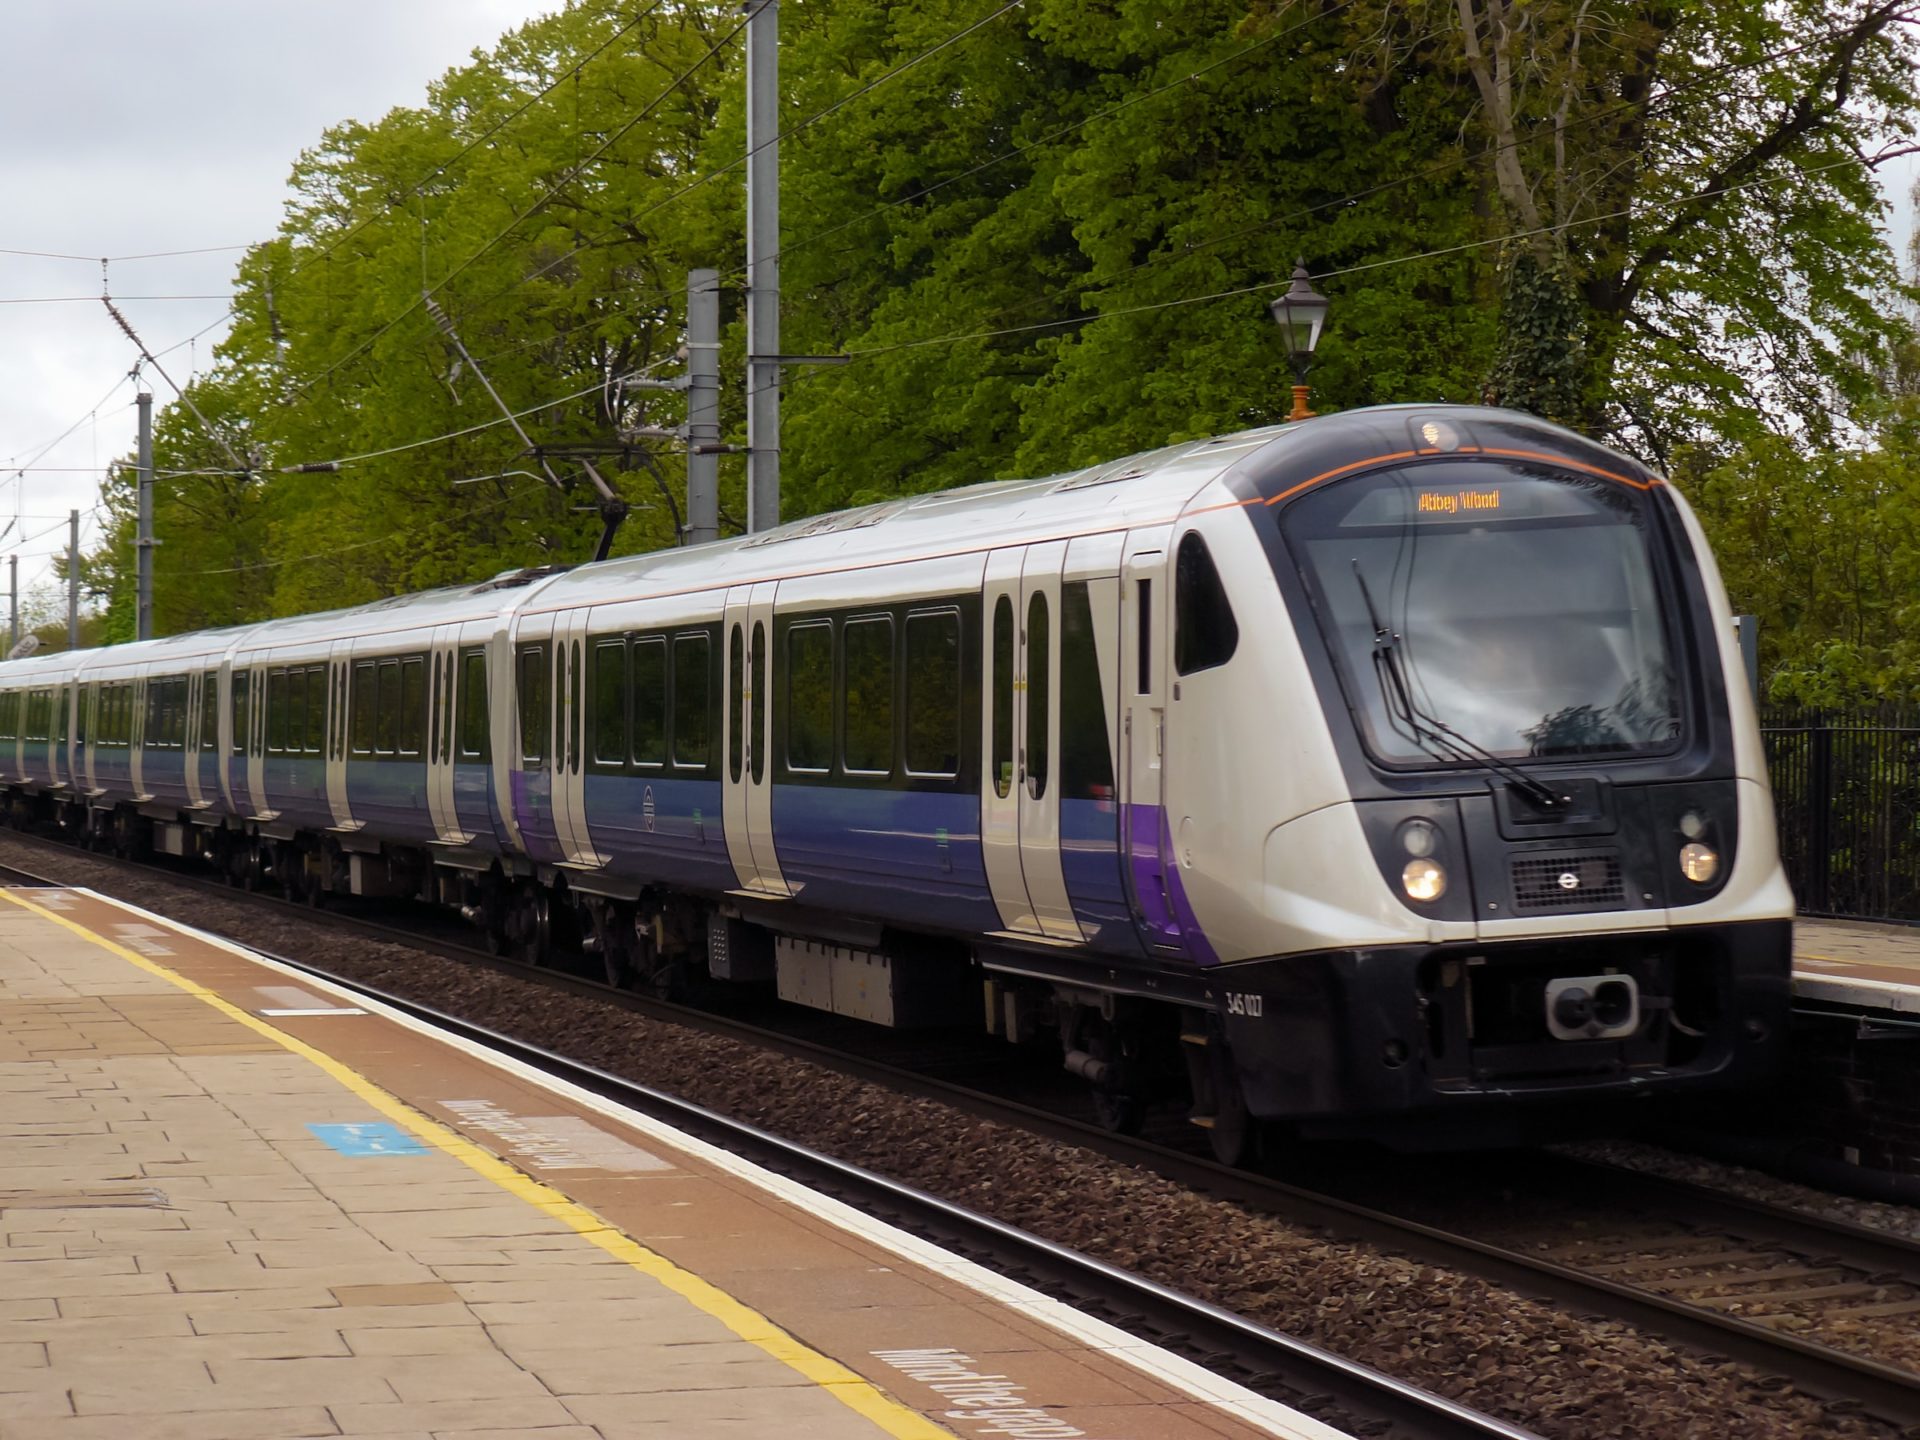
(1857,964)
(225,1223)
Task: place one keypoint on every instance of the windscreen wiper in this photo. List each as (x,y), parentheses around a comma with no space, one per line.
(1426,729)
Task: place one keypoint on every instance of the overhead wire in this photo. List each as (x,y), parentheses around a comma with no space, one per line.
(340,460)
(117,259)
(95,299)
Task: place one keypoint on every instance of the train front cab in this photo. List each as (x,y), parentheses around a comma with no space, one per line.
(1532,861)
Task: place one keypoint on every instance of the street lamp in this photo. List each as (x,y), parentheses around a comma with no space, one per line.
(1300,314)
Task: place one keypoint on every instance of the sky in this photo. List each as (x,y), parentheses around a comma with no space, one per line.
(132,129)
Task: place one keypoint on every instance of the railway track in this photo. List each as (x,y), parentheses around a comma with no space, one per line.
(1732,1277)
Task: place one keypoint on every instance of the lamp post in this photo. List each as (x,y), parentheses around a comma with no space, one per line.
(1300,314)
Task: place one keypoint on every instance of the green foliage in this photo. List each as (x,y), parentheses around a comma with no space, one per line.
(1048,243)
(1824,547)
(1541,365)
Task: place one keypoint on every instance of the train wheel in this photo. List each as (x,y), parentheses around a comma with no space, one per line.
(314,870)
(1233,1134)
(1122,1114)
(611,938)
(1118,1110)
(531,925)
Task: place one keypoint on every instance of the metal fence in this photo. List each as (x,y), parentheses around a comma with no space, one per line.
(1847,792)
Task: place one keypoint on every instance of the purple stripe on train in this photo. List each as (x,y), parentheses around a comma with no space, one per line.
(1167,914)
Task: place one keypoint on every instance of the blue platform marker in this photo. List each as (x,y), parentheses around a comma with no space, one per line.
(373,1138)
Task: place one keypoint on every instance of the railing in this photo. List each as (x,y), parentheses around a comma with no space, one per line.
(1847,792)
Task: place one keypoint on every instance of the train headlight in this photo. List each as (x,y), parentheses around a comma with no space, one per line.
(1693,825)
(1424,879)
(1699,863)
(1419,838)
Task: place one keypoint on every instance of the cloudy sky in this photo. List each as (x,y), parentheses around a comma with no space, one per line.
(133,128)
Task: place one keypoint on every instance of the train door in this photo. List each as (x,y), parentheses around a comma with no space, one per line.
(442,695)
(569,738)
(1020,789)
(747,777)
(1145,840)
(339,718)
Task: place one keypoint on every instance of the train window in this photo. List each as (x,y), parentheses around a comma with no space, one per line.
(692,701)
(610,702)
(386,707)
(579,709)
(736,675)
(1086,748)
(650,700)
(436,706)
(1039,664)
(1143,632)
(932,640)
(316,737)
(305,700)
(1002,759)
(298,704)
(809,698)
(210,710)
(757,698)
(410,733)
(473,706)
(533,704)
(444,709)
(276,711)
(360,734)
(1204,631)
(867,695)
(242,681)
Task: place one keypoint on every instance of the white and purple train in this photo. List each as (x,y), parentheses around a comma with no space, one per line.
(1388,771)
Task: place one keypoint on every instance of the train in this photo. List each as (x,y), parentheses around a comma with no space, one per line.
(1392,772)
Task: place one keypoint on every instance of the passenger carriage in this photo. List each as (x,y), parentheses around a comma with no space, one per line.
(1396,765)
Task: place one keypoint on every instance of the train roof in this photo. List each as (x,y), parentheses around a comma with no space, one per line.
(1146,489)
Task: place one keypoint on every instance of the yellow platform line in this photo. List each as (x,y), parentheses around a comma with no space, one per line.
(849,1388)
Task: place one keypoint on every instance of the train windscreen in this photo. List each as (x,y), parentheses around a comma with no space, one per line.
(1515,606)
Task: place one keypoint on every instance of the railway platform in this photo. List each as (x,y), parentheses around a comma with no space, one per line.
(1858,965)
(236,1203)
